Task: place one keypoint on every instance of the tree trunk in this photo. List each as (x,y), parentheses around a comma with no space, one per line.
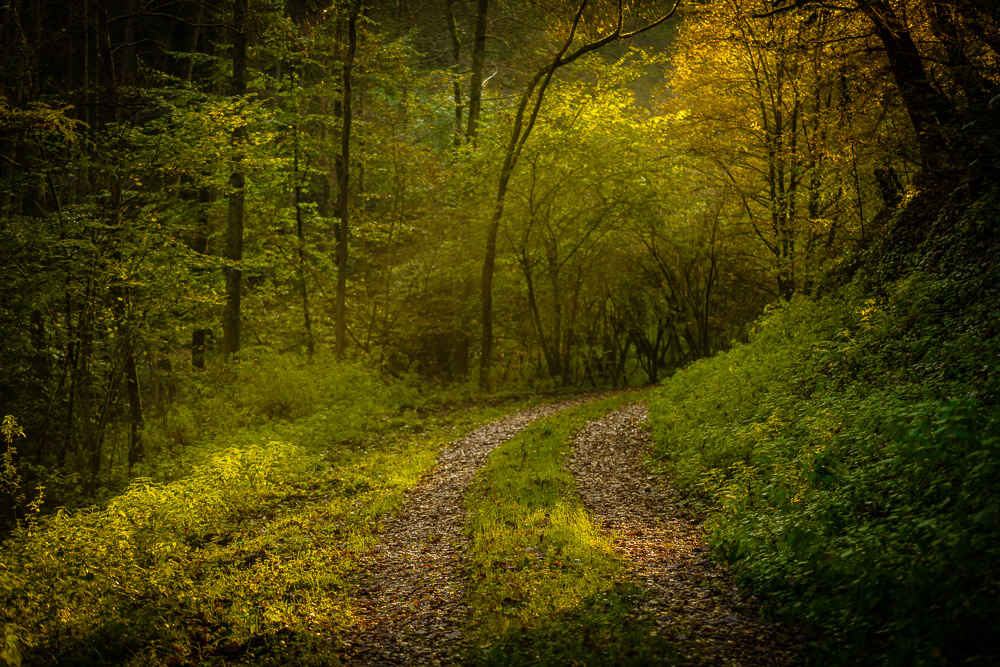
(551,356)
(109,79)
(929,111)
(193,46)
(343,179)
(301,265)
(136,450)
(231,319)
(478,57)
(199,336)
(456,69)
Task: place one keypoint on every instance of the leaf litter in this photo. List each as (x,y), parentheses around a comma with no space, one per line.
(692,600)
(411,604)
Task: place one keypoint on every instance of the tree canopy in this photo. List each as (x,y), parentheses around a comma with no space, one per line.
(549,192)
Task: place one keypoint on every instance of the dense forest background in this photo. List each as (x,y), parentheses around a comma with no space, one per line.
(217,214)
(520,193)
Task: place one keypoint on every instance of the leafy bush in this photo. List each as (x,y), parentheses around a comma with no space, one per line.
(246,554)
(316,404)
(74,574)
(276,387)
(849,455)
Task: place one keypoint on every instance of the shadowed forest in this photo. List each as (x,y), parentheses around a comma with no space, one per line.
(305,301)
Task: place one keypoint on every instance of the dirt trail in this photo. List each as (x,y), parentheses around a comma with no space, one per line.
(693,601)
(412,610)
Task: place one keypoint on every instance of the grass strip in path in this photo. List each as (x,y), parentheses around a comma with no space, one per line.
(411,607)
(546,585)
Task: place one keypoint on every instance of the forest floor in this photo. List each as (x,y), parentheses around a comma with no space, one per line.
(479,537)
(414,599)
(413,608)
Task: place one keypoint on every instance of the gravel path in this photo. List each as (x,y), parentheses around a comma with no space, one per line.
(692,600)
(411,599)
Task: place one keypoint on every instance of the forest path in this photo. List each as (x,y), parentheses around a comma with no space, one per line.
(693,601)
(411,609)
(412,606)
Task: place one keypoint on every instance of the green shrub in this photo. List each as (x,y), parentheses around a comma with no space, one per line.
(849,456)
(316,404)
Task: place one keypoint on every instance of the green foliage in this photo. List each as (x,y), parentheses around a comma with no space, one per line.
(850,456)
(39,121)
(246,554)
(11,651)
(283,387)
(707,435)
(547,588)
(318,403)
(11,476)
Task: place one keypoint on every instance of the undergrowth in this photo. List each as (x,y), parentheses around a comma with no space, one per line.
(849,453)
(240,550)
(546,586)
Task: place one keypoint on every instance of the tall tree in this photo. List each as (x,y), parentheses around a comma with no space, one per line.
(930,112)
(789,105)
(935,77)
(456,68)
(343,175)
(231,318)
(478,61)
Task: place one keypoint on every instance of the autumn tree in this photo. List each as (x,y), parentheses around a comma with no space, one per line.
(941,56)
(785,126)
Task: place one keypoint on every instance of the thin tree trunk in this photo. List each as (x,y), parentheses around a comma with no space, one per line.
(199,336)
(343,179)
(456,69)
(136,450)
(301,266)
(124,365)
(478,58)
(109,79)
(193,47)
(231,319)
(551,357)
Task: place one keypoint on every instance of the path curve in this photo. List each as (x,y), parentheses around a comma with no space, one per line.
(692,600)
(411,609)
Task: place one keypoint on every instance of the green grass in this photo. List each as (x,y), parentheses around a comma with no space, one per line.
(546,586)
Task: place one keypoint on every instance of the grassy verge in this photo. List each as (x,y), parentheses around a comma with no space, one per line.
(245,558)
(546,586)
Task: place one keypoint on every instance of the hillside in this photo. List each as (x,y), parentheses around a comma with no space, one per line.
(848,454)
